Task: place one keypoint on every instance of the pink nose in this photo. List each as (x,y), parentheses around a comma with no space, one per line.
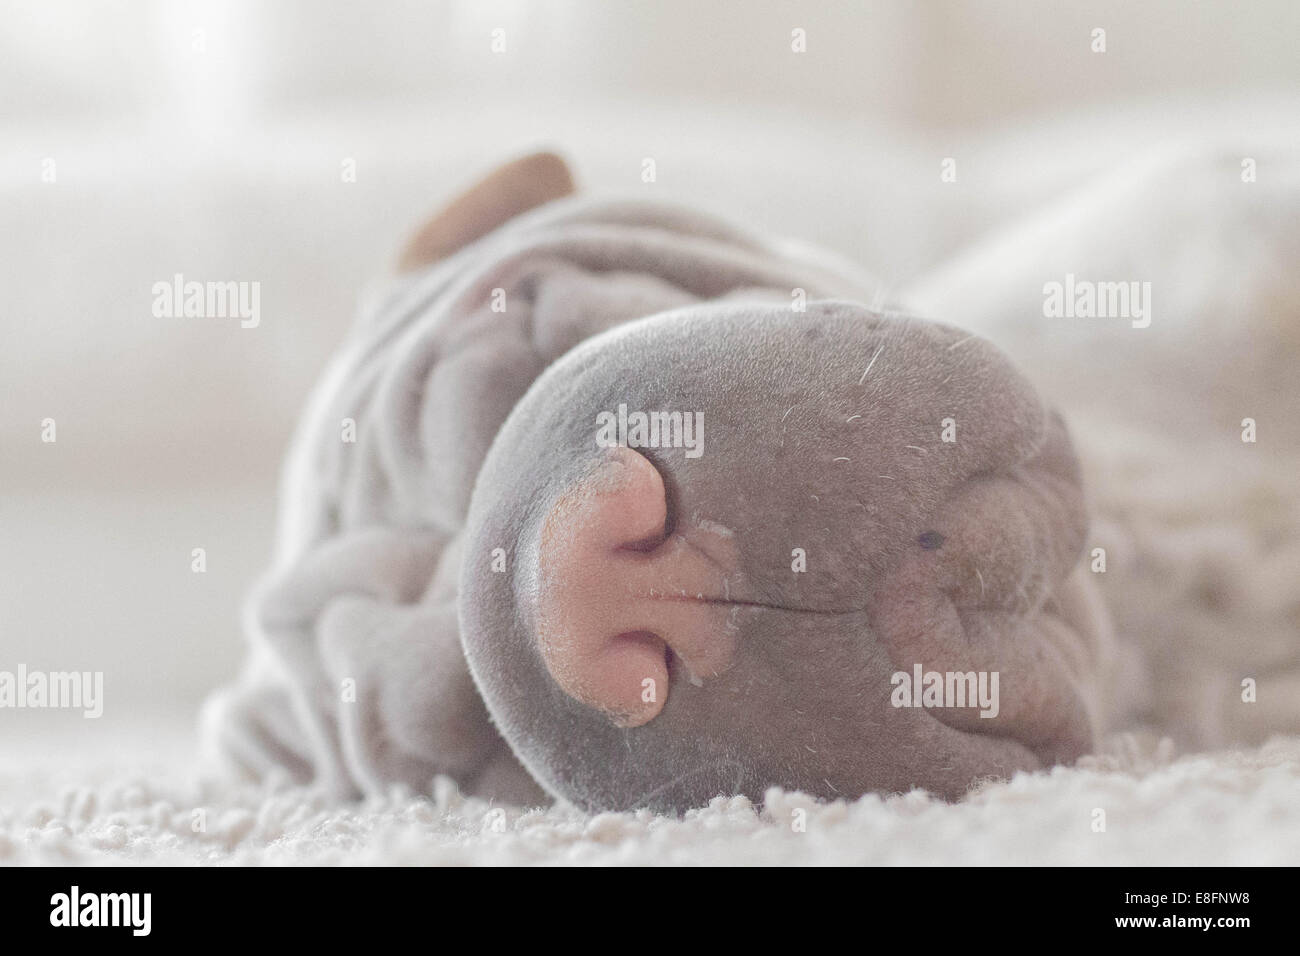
(618,597)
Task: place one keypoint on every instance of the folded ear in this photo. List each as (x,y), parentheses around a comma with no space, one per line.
(512,189)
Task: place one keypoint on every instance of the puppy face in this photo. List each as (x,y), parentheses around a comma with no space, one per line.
(725,611)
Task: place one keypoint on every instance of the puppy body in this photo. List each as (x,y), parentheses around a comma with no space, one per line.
(400,633)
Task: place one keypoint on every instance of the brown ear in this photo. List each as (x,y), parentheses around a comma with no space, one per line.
(512,189)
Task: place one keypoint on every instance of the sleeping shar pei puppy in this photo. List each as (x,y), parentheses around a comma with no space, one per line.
(616,503)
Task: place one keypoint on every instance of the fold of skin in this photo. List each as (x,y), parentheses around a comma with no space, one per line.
(404,629)
(1200,527)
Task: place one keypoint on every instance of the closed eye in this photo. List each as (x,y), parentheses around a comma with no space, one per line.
(930,540)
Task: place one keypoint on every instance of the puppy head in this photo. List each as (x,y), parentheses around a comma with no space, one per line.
(716,598)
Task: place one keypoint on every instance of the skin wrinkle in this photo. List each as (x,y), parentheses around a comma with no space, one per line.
(793,609)
(1046,727)
(822,434)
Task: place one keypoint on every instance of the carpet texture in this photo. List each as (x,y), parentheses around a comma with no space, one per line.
(1230,807)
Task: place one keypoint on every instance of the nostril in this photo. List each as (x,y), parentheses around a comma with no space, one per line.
(639,638)
(587,597)
(622,506)
(655,492)
(647,544)
(621,611)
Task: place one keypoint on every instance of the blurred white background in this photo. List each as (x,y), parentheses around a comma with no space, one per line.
(208,138)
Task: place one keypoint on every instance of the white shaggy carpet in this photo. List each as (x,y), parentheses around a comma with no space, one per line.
(1231,807)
